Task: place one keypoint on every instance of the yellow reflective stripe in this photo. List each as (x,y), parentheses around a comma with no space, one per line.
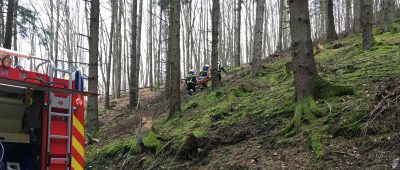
(78,147)
(78,125)
(75,165)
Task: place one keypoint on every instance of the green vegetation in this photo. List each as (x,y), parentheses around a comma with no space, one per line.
(101,156)
(346,90)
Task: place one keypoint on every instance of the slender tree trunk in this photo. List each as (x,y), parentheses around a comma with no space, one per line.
(118,63)
(304,65)
(15,34)
(174,55)
(139,41)
(366,23)
(125,51)
(386,14)
(68,34)
(215,17)
(57,35)
(134,83)
(330,29)
(159,51)
(33,45)
(51,31)
(9,24)
(108,70)
(92,122)
(357,15)
(237,33)
(282,11)
(258,34)
(150,46)
(348,15)
(2,22)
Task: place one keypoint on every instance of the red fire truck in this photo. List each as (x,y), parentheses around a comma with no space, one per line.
(41,116)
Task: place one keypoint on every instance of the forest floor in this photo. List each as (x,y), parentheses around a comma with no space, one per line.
(356,122)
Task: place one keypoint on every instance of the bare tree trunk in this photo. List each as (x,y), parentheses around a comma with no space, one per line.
(348,15)
(304,65)
(92,122)
(118,64)
(9,24)
(150,46)
(237,33)
(215,17)
(68,34)
(357,15)
(282,11)
(108,70)
(139,40)
(174,55)
(15,34)
(258,34)
(366,23)
(57,35)
(33,45)
(51,31)
(330,29)
(126,51)
(158,77)
(134,83)
(386,14)
(2,22)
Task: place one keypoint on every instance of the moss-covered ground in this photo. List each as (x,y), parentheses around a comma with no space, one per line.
(260,112)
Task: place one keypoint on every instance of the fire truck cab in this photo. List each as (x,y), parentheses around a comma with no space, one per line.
(41,116)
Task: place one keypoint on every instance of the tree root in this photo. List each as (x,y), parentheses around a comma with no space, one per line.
(305,110)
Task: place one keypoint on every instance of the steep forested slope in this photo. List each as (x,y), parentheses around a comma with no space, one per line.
(355,122)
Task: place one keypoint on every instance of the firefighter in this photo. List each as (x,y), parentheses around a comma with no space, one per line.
(220,69)
(191,82)
(203,75)
(204,71)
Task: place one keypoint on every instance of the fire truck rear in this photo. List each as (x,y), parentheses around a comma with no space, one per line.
(41,115)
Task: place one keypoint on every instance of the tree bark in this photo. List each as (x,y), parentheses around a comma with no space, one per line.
(118,64)
(215,17)
(2,22)
(304,65)
(15,31)
(258,34)
(237,33)
(330,29)
(280,29)
(134,83)
(158,77)
(92,122)
(386,16)
(138,43)
(9,24)
(366,23)
(174,55)
(108,69)
(150,46)
(348,15)
(57,35)
(68,35)
(357,15)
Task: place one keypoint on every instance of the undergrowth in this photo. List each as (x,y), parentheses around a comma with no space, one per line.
(344,96)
